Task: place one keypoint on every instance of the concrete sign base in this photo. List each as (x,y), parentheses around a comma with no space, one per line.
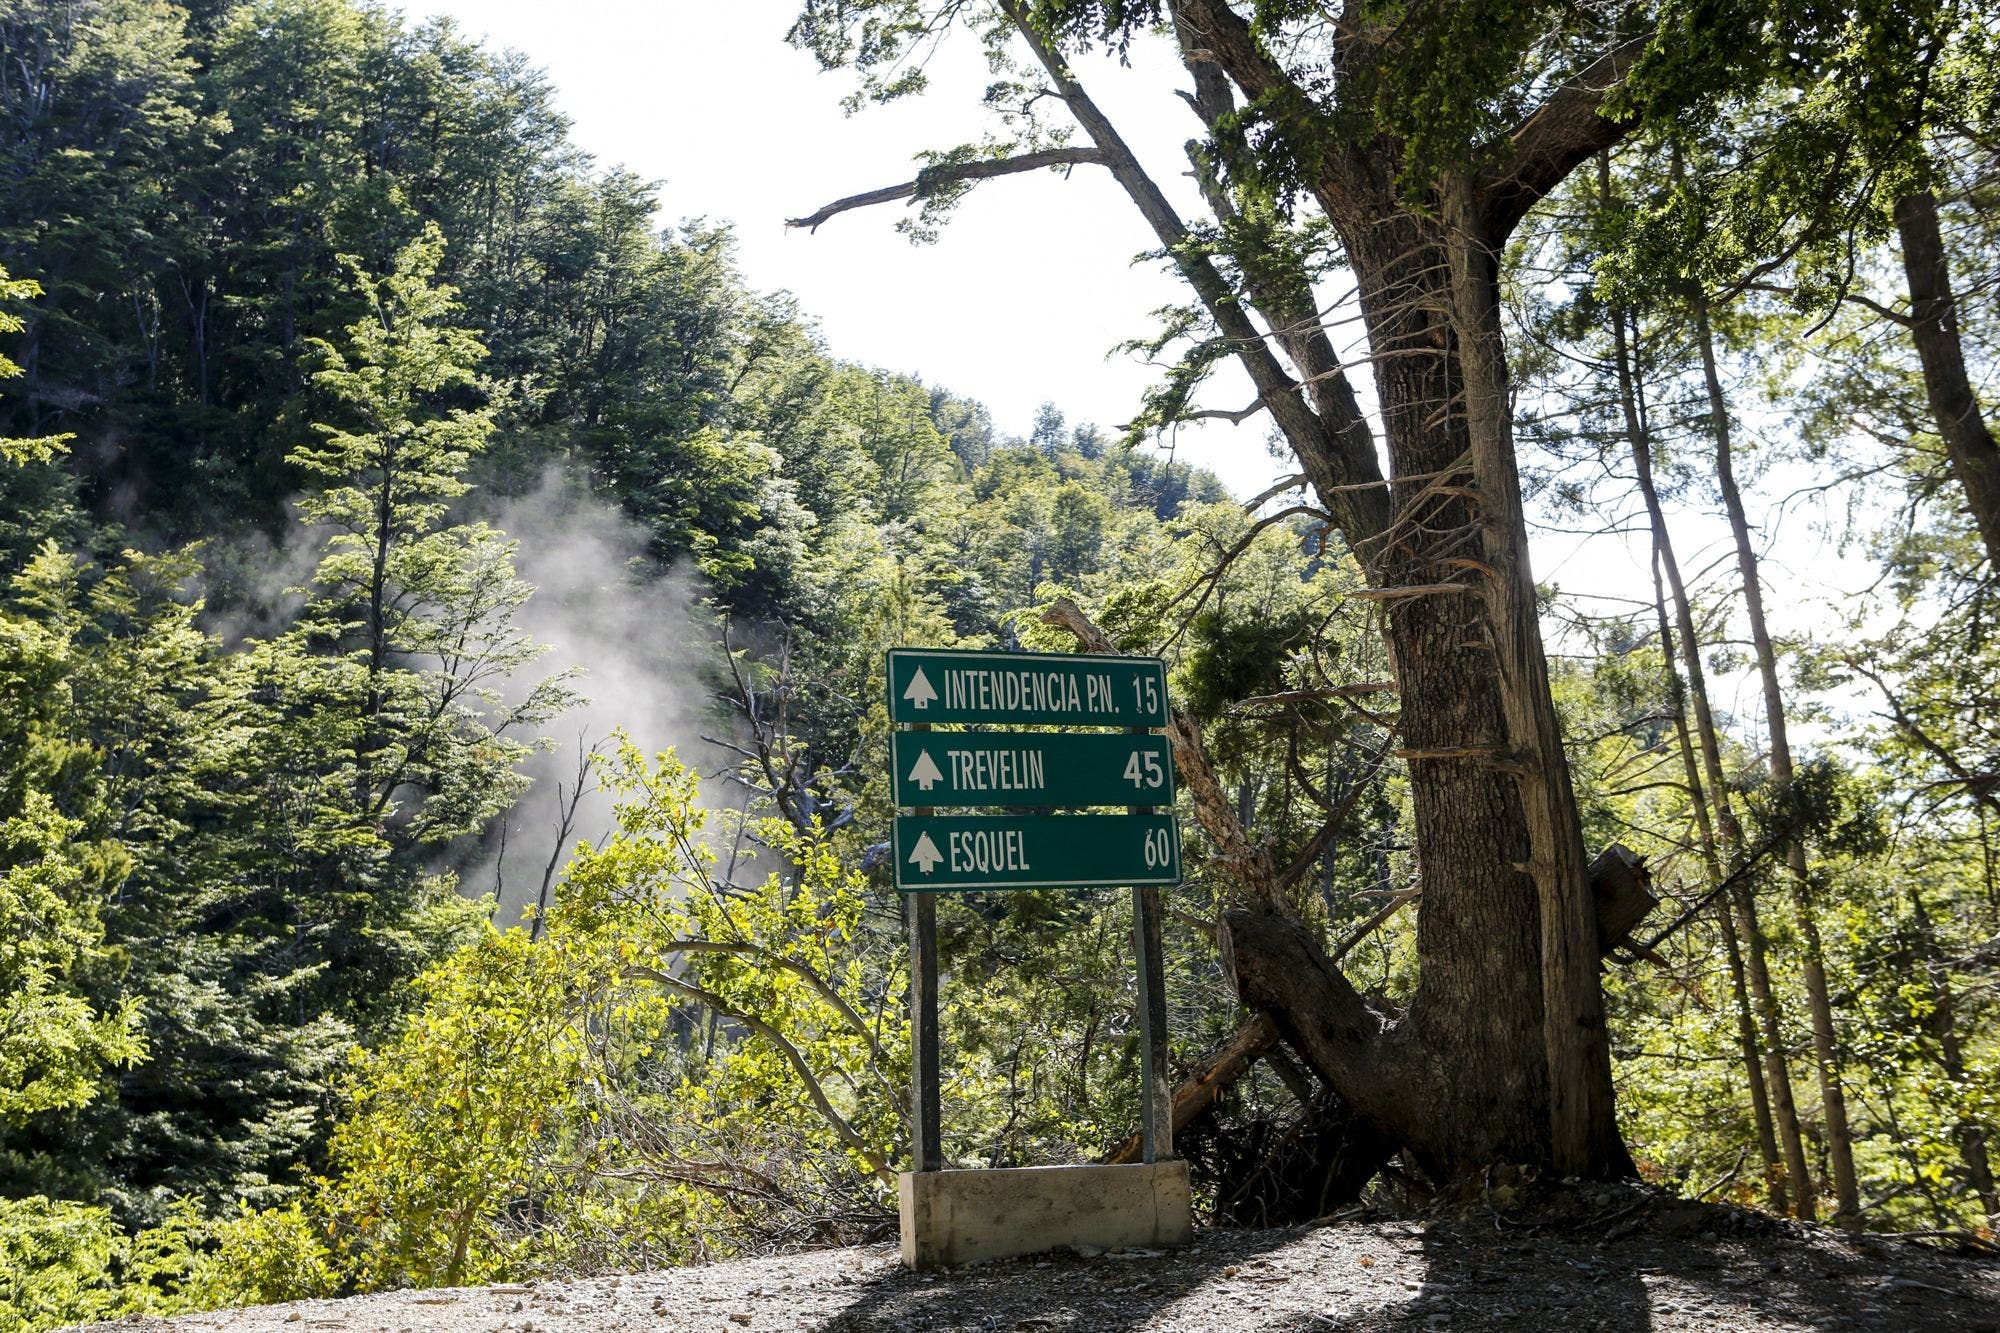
(956,1217)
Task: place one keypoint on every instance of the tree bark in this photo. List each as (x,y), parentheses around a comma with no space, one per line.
(1839,1138)
(1474,1033)
(1502,1052)
(1469,1053)
(1583,1126)
(1968,442)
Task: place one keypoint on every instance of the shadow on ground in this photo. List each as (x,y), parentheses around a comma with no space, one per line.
(1068,1292)
(1700,1269)
(1468,1280)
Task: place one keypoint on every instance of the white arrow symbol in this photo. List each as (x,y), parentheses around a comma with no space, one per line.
(920,692)
(925,773)
(926,855)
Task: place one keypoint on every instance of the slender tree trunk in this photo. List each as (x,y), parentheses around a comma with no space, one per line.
(1839,1138)
(1968,441)
(366,741)
(1771,1100)
(1711,859)
(1777,1065)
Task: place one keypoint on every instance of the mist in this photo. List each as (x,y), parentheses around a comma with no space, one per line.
(639,643)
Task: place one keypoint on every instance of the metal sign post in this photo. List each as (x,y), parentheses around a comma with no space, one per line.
(956,1216)
(927,1145)
(1156,1098)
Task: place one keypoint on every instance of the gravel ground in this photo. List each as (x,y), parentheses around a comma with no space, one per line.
(1645,1265)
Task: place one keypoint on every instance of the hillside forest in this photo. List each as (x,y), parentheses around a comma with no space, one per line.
(443,760)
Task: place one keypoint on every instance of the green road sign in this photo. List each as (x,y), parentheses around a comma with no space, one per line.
(1060,689)
(960,768)
(960,852)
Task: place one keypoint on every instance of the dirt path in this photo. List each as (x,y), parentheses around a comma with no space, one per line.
(1685,1270)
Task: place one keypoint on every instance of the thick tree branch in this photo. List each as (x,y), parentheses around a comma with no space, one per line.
(1235,418)
(1566,130)
(930,179)
(1278,967)
(1283,296)
(1213,32)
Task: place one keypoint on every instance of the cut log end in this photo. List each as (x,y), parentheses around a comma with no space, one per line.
(1621,890)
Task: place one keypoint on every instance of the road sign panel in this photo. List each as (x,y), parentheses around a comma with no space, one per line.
(1061,689)
(961,852)
(961,768)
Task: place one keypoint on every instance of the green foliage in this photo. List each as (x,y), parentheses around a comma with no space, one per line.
(55,1258)
(561,1102)
(42,448)
(53,1042)
(56,867)
(280,808)
(445,1123)
(257,1045)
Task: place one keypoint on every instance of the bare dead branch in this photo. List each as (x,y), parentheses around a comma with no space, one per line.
(1413,590)
(1352,940)
(1243,861)
(1236,418)
(1358,689)
(1273,491)
(930,179)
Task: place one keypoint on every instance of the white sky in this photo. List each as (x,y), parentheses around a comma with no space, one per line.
(1031,284)
(1018,302)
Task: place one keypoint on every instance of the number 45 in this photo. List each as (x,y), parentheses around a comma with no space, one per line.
(1153,775)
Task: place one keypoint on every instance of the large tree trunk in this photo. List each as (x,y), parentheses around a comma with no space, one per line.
(1833,1098)
(1968,442)
(1473,1034)
(1583,1126)
(1502,1054)
(1466,1073)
